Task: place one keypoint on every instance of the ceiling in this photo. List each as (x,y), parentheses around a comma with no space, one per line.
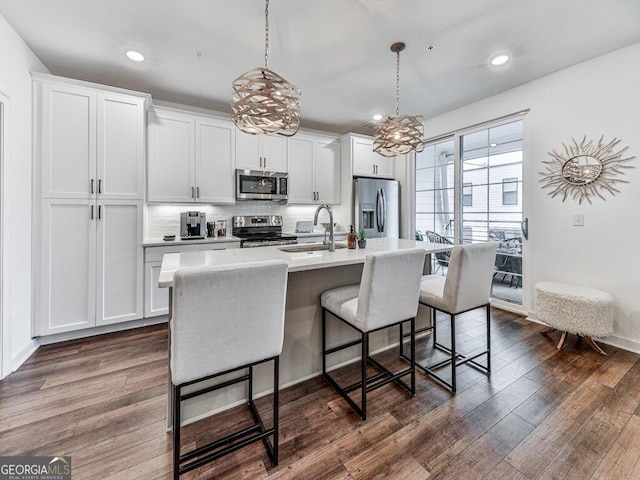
(336,51)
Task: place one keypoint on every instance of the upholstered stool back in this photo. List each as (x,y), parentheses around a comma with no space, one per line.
(225,317)
(389,288)
(468,283)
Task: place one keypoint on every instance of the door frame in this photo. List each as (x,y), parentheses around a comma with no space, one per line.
(5,350)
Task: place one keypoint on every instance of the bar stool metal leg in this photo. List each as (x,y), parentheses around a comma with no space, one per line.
(176,432)
(363,372)
(453,354)
(488,339)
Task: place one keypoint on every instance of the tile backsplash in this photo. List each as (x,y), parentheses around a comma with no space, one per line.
(165,219)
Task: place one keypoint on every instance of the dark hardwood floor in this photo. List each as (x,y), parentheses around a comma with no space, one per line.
(543,414)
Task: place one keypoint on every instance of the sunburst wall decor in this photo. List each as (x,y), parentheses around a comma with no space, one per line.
(585,170)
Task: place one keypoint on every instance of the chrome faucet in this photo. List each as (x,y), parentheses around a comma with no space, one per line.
(332,242)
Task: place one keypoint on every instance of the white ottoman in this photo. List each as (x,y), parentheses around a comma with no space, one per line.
(575,309)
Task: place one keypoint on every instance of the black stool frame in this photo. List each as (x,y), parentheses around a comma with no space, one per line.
(245,436)
(367,384)
(453,354)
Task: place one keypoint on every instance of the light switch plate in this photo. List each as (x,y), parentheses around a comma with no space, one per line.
(578,219)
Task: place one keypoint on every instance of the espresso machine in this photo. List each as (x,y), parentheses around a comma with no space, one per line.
(193,225)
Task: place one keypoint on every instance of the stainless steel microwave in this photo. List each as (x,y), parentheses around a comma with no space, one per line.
(259,185)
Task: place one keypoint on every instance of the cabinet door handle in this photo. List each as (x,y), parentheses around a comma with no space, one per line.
(99,185)
(91,212)
(92,182)
(99,212)
(193,192)
(264,162)
(197,192)
(318,196)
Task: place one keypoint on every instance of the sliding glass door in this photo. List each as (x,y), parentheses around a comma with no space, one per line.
(468,190)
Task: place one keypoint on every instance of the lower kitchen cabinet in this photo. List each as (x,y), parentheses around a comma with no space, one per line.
(90,265)
(156,299)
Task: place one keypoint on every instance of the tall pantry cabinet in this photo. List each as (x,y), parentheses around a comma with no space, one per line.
(89,150)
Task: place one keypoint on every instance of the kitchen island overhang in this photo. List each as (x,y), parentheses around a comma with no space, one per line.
(310,274)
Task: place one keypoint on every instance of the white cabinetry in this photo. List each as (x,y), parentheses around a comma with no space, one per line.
(90,264)
(261,152)
(156,299)
(89,146)
(367,163)
(314,169)
(89,142)
(191,158)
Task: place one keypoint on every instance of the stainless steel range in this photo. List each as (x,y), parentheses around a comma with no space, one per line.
(261,231)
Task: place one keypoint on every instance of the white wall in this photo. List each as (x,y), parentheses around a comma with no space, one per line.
(600,96)
(17,61)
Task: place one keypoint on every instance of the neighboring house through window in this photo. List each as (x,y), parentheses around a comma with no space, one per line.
(509,191)
(467,194)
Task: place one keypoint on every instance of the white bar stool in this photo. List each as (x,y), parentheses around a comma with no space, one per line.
(226,319)
(466,287)
(386,296)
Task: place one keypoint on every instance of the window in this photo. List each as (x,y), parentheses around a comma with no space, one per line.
(509,191)
(467,194)
(435,189)
(469,189)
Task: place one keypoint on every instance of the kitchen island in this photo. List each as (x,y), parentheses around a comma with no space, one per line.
(310,274)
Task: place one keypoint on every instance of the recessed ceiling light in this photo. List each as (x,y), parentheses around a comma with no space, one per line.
(499,60)
(135,56)
(493,144)
(377,117)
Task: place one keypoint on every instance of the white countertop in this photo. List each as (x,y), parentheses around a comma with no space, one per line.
(297,261)
(159,242)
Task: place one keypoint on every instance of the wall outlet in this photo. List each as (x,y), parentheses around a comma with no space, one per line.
(578,219)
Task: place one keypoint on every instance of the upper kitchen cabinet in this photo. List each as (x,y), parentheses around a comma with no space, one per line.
(215,160)
(367,163)
(88,140)
(191,158)
(261,152)
(314,169)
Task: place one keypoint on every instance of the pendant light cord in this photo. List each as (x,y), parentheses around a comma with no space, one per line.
(397,83)
(266,35)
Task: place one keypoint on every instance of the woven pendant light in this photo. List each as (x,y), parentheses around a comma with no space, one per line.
(398,134)
(262,101)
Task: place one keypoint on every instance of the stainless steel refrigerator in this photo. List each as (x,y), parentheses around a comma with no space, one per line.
(376,207)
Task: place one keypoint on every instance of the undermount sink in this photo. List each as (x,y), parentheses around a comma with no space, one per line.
(311,247)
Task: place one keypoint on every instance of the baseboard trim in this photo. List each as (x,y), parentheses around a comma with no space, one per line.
(90,332)
(24,354)
(623,343)
(508,307)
